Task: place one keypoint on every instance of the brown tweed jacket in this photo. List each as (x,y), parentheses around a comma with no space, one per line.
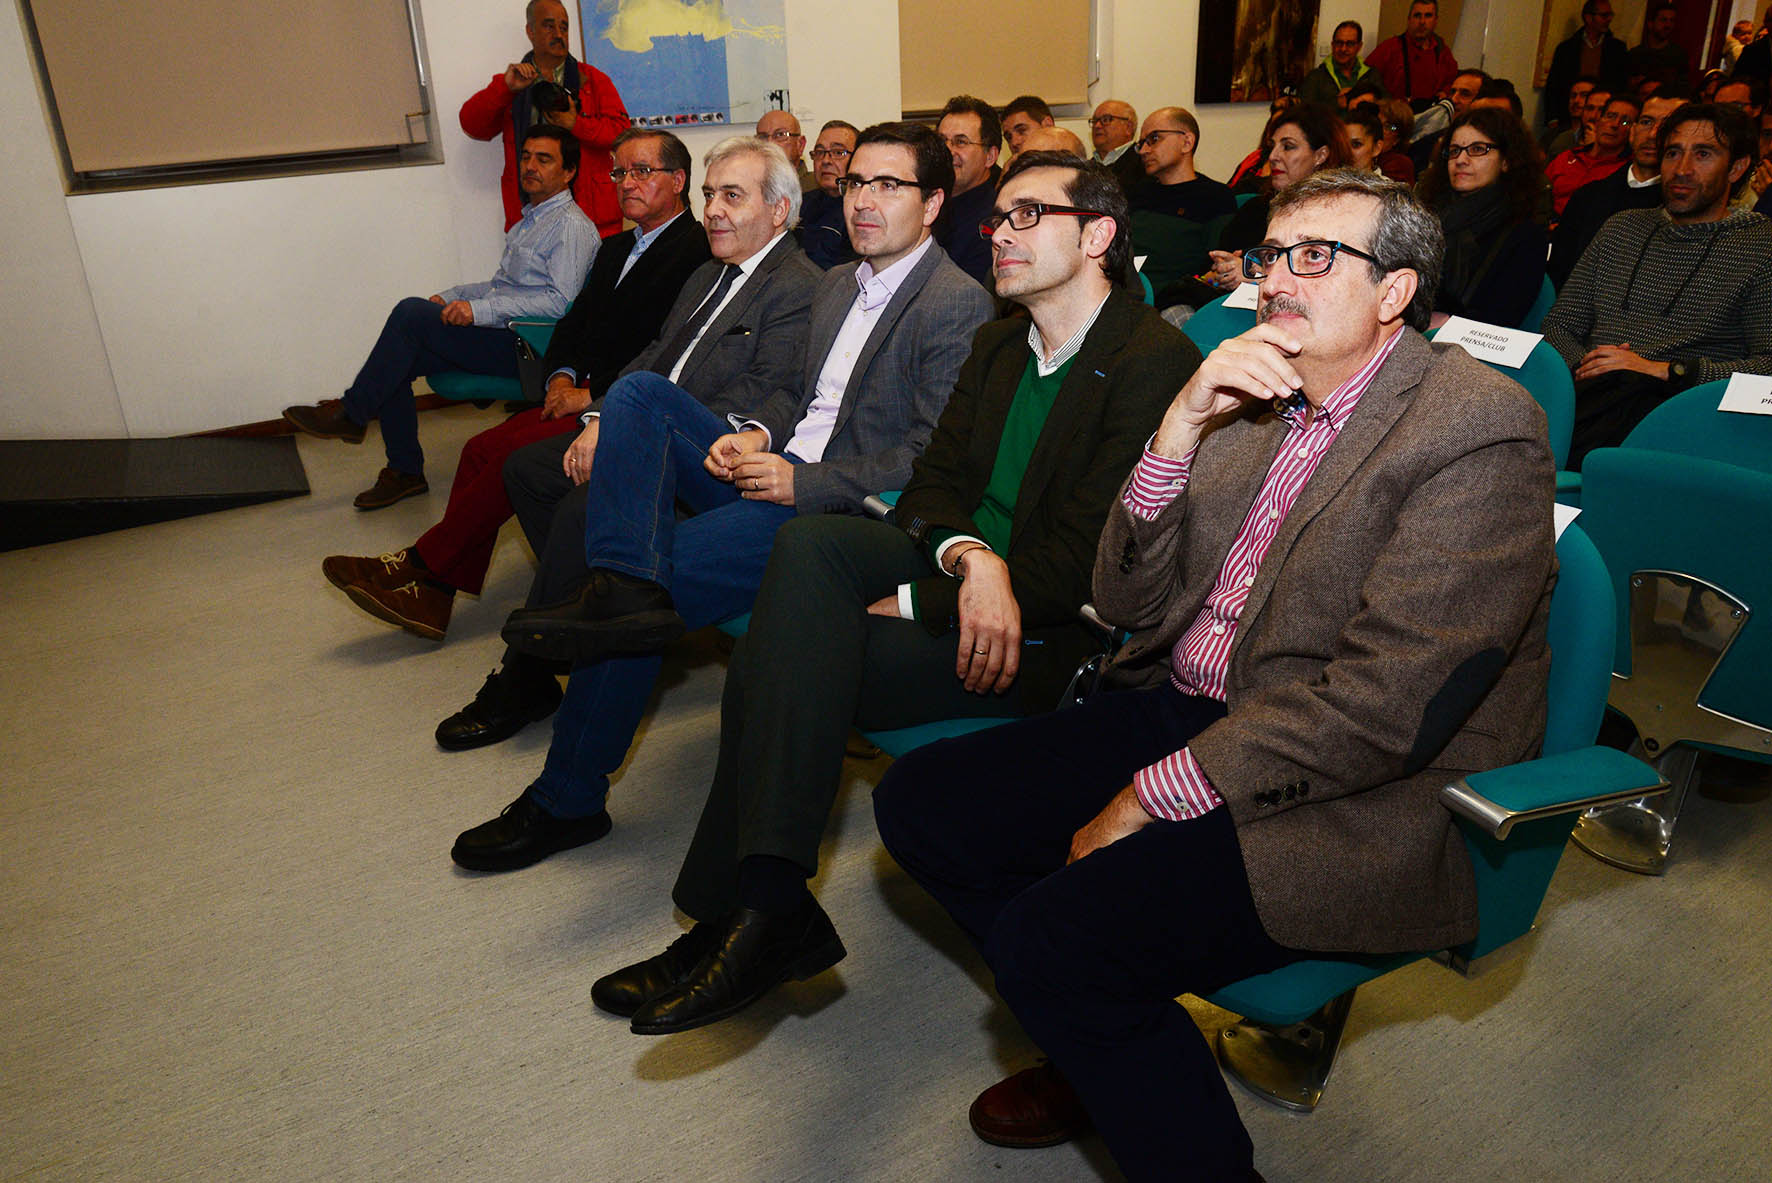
(1393,641)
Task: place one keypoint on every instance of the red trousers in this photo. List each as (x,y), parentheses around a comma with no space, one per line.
(458,549)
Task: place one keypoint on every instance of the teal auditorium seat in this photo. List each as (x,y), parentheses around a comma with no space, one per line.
(532,341)
(1547,295)
(1547,380)
(1515,821)
(1684,538)
(1213,322)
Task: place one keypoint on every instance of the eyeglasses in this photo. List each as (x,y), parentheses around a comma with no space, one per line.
(1476,150)
(961,143)
(1306,259)
(878,186)
(639,172)
(780,135)
(829,153)
(1620,120)
(1156,137)
(1100,120)
(1026,217)
(1341,43)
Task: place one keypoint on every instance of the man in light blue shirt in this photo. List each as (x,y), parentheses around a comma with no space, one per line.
(547,254)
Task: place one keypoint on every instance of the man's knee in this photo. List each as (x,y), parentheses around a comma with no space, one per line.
(1035,950)
(415,313)
(901,800)
(643,393)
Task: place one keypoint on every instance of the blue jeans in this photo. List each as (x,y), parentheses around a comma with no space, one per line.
(650,446)
(415,342)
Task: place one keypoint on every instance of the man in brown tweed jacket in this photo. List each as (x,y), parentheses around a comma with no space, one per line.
(1334,610)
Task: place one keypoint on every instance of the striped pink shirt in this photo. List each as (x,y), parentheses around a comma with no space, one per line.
(1175,787)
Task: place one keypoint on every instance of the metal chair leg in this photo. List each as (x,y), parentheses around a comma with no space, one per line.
(1286,1066)
(1636,835)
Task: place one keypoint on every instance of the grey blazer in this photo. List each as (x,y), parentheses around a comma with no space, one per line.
(1393,641)
(901,381)
(755,345)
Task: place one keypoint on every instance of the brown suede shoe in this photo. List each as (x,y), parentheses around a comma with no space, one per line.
(385,570)
(390,486)
(1033,1108)
(327,421)
(417,607)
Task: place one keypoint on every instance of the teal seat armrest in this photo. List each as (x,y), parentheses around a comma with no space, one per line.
(1568,487)
(879,505)
(1498,800)
(534,333)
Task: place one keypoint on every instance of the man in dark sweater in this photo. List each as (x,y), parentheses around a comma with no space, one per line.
(1171,208)
(1636,186)
(1694,303)
(974,136)
(967,606)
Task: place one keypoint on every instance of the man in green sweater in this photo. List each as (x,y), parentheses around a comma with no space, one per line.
(966,606)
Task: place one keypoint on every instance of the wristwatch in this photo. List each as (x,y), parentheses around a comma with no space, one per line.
(1681,372)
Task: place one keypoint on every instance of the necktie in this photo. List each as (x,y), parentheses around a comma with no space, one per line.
(672,352)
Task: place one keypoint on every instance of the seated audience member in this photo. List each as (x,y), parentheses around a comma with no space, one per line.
(1305,141)
(1663,299)
(885,343)
(1740,37)
(1054,139)
(550,86)
(1609,152)
(1658,59)
(1499,94)
(1399,126)
(1756,60)
(1112,129)
(823,234)
(1365,134)
(1367,90)
(1747,93)
(736,334)
(1023,114)
(1432,120)
(782,128)
(1416,65)
(1708,85)
(1484,187)
(1269,791)
(545,259)
(633,282)
(1251,172)
(967,606)
(1577,128)
(1637,186)
(1760,180)
(1172,206)
(1588,55)
(1336,74)
(970,128)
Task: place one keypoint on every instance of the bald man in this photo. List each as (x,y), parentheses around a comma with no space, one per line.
(1173,205)
(1112,129)
(1053,139)
(782,129)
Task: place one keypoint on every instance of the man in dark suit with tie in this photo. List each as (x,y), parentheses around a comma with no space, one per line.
(633,283)
(736,334)
(886,340)
(967,606)
(1334,613)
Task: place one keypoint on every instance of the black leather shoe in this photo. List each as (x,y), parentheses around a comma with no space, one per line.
(523,835)
(627,990)
(613,614)
(505,705)
(753,952)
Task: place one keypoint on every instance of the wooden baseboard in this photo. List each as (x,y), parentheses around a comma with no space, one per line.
(424,402)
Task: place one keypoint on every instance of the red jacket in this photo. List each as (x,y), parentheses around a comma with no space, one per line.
(602,118)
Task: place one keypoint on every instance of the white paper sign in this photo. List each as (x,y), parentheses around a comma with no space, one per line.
(1750,394)
(1490,343)
(1138,261)
(1243,297)
(1562,515)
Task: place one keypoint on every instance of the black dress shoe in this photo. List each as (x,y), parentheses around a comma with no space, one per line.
(627,990)
(613,614)
(753,952)
(505,705)
(523,835)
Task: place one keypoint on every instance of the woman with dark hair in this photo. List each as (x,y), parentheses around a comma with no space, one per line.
(1393,157)
(1484,186)
(1365,136)
(1303,140)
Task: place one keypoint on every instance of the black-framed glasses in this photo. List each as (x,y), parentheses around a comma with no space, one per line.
(639,172)
(960,143)
(1306,259)
(1100,120)
(1477,149)
(780,135)
(829,153)
(878,186)
(1156,137)
(1026,217)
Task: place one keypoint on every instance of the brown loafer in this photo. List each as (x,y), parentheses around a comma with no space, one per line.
(1033,1108)
(418,607)
(390,487)
(327,421)
(386,570)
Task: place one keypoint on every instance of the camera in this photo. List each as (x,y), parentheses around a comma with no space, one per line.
(550,98)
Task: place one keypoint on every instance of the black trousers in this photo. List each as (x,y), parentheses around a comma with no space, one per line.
(813,663)
(1091,956)
(551,510)
(1607,407)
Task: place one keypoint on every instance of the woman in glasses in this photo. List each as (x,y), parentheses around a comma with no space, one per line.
(1483,183)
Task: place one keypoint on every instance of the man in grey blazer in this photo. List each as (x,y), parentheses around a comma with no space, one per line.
(1333,614)
(888,335)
